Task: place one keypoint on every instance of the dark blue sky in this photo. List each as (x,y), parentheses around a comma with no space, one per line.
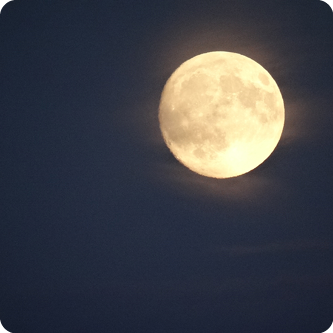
(102,230)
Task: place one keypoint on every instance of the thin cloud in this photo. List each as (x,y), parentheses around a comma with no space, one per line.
(275,247)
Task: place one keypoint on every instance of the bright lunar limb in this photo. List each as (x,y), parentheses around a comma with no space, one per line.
(221,114)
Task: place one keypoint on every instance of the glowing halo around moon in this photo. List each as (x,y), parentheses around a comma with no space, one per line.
(221,114)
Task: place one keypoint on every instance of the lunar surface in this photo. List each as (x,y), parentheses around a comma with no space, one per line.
(221,114)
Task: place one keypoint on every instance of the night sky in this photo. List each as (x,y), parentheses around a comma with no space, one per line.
(102,229)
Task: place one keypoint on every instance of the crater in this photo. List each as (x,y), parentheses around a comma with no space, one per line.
(249,96)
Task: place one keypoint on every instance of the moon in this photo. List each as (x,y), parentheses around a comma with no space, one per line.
(221,114)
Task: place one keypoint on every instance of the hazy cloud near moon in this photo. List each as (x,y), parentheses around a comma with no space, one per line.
(276,247)
(234,29)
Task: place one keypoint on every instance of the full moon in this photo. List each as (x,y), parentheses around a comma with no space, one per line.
(221,114)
